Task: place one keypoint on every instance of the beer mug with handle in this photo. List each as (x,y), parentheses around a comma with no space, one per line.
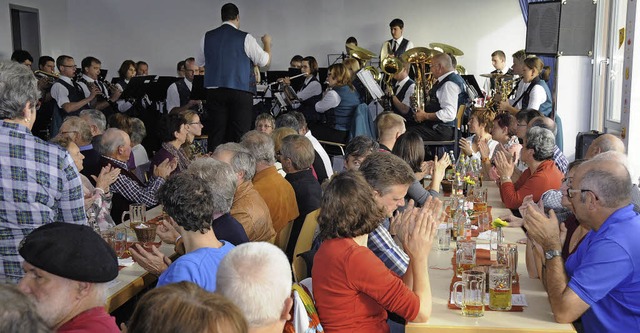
(473,288)
(137,214)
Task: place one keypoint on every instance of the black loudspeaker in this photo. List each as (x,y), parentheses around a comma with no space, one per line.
(564,27)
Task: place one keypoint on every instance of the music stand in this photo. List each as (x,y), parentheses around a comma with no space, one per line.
(198,91)
(296,83)
(273,76)
(370,84)
(471,82)
(158,87)
(137,87)
(103,74)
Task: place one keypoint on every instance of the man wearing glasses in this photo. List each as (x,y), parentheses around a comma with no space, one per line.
(178,92)
(600,282)
(69,97)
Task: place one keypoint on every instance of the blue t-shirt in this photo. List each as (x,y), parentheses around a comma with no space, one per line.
(199,267)
(605,273)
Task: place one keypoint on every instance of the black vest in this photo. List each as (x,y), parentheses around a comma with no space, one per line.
(183,91)
(122,83)
(433,104)
(401,95)
(401,48)
(75,95)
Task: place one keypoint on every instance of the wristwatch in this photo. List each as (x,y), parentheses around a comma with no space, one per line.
(552,254)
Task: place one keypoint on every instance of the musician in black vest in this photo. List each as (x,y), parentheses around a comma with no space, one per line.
(106,100)
(397,45)
(401,93)
(125,73)
(311,91)
(69,97)
(178,92)
(438,120)
(229,56)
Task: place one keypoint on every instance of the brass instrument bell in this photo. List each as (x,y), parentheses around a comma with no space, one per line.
(420,56)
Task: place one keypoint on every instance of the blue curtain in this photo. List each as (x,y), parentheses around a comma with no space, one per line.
(548,60)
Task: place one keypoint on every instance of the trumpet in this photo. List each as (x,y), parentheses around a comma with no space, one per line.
(42,74)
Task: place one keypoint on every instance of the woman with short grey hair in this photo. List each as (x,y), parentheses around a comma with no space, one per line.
(541,174)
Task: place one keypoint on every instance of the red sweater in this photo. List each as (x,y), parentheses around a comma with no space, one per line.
(95,320)
(546,177)
(353,289)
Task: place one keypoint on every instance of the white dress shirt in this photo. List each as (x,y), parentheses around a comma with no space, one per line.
(330,100)
(386,46)
(312,89)
(407,96)
(259,56)
(173,97)
(448,98)
(59,92)
(323,153)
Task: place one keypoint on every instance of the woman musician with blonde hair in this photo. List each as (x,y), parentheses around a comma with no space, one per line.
(337,105)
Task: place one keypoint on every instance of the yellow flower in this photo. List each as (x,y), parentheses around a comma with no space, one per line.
(499,223)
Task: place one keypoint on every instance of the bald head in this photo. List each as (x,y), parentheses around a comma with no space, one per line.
(608,180)
(544,122)
(604,143)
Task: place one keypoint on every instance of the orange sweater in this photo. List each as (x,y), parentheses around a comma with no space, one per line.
(278,195)
(546,177)
(353,289)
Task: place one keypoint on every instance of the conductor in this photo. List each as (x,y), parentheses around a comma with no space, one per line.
(229,55)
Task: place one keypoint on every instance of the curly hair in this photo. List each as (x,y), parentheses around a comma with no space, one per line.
(348,208)
(189,201)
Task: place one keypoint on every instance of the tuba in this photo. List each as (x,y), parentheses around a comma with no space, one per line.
(421,57)
(391,66)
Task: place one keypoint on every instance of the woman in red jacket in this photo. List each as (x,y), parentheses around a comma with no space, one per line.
(352,287)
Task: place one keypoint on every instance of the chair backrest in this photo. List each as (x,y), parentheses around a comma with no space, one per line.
(460,116)
(283,236)
(303,244)
(142,172)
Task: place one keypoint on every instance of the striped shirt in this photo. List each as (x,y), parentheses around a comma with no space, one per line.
(39,184)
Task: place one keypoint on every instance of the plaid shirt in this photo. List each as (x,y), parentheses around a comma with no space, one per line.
(560,160)
(382,244)
(133,190)
(39,185)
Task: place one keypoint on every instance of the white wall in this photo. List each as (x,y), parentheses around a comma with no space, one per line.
(162,32)
(54,33)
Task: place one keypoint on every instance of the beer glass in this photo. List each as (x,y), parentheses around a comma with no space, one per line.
(473,288)
(508,256)
(465,256)
(137,214)
(500,288)
(480,200)
(120,240)
(444,237)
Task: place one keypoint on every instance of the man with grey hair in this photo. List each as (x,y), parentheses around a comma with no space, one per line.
(438,120)
(96,120)
(296,156)
(76,129)
(600,282)
(26,203)
(257,278)
(248,206)
(128,189)
(273,188)
(222,181)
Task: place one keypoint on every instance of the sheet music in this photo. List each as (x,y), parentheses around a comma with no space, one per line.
(372,86)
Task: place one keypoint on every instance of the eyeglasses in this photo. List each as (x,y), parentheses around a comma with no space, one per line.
(72,66)
(569,191)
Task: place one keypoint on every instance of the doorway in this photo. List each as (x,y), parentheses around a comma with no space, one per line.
(25,30)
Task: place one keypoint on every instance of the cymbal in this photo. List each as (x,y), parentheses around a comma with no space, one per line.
(447,48)
(419,54)
(498,76)
(359,52)
(461,70)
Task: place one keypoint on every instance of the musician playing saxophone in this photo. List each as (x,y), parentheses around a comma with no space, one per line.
(438,120)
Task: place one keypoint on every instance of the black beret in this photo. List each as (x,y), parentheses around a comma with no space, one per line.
(71,251)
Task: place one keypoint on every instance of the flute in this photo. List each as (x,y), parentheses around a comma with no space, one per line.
(291,78)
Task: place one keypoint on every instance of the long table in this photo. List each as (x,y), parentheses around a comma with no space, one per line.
(536,317)
(133,279)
